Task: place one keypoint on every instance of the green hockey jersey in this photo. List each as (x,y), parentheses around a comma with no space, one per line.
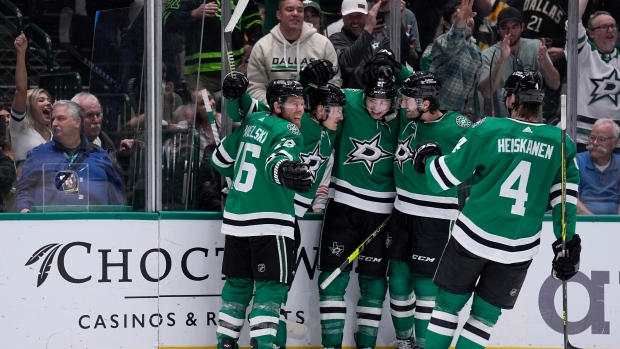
(256,205)
(317,148)
(363,172)
(517,171)
(413,196)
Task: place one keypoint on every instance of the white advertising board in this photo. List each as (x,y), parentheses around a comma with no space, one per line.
(145,284)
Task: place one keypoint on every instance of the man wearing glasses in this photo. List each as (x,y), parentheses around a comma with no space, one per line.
(599,169)
(598,75)
(510,54)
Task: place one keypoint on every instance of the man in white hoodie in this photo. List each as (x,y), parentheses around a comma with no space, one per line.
(287,49)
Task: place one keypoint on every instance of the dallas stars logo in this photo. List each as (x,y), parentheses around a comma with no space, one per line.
(367,152)
(314,160)
(336,249)
(403,152)
(607,87)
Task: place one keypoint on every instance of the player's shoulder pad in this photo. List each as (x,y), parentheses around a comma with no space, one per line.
(479,122)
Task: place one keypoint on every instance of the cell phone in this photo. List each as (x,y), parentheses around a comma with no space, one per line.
(380,17)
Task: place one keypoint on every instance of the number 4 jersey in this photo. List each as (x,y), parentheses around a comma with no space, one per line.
(517,171)
(256,205)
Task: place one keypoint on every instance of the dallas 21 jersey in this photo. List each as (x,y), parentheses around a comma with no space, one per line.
(413,196)
(256,205)
(516,170)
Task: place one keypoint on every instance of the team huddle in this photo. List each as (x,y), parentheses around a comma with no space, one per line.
(393,160)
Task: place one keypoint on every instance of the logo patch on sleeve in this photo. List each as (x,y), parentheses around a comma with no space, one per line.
(294,130)
(463,121)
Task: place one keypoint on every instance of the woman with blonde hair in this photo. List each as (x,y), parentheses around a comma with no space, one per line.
(31,110)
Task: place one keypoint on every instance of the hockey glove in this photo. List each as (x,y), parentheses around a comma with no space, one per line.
(293,175)
(422,152)
(383,58)
(317,73)
(234,88)
(566,267)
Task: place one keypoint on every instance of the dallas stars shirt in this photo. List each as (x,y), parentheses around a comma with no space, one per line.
(413,196)
(363,172)
(317,147)
(517,171)
(256,205)
(598,88)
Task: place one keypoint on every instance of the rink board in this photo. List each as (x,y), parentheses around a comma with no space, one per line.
(145,281)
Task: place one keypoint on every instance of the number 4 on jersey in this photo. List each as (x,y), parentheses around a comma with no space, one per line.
(521,173)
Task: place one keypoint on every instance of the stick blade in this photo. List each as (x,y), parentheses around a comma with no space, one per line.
(570,346)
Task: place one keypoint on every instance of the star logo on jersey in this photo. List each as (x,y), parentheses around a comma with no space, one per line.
(367,152)
(375,45)
(403,152)
(606,87)
(336,249)
(314,160)
(463,121)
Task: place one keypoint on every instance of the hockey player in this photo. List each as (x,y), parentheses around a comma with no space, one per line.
(263,159)
(516,165)
(318,128)
(420,224)
(362,192)
(324,110)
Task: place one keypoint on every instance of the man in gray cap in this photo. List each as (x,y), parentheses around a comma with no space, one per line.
(511,54)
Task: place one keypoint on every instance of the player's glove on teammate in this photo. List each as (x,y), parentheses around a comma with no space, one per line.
(234,88)
(317,73)
(293,175)
(566,267)
(423,151)
(383,58)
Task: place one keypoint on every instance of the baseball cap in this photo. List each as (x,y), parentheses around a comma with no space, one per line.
(352,6)
(312,4)
(509,13)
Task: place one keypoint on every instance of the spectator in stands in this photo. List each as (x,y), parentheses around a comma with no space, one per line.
(314,16)
(203,124)
(548,22)
(355,43)
(289,47)
(510,54)
(101,185)
(188,16)
(598,73)
(429,16)
(93,119)
(599,170)
(6,114)
(30,112)
(455,58)
(7,167)
(331,10)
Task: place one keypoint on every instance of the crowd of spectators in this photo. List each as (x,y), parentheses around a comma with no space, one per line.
(278,38)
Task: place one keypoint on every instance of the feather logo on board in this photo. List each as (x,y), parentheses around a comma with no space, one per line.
(49,251)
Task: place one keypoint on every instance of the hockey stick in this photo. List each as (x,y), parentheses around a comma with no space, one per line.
(355,253)
(567,344)
(64,38)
